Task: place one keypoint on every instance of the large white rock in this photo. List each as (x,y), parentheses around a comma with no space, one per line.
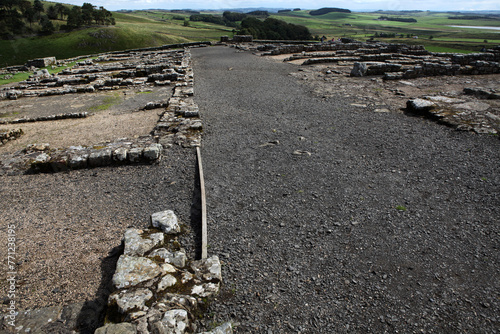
(177,259)
(176,321)
(131,299)
(131,271)
(166,282)
(208,269)
(166,221)
(225,328)
(137,245)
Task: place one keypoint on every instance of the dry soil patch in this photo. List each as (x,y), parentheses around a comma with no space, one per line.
(112,115)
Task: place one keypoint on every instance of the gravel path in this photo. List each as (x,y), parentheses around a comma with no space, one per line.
(391,224)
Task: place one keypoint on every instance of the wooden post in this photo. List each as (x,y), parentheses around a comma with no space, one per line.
(203,207)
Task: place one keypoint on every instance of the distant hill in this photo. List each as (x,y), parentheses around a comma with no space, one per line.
(327,10)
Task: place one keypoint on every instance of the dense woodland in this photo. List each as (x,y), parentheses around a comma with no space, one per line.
(323,11)
(273,29)
(398,19)
(249,24)
(22,17)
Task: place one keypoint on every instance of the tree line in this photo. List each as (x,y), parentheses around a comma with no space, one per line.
(273,29)
(22,17)
(398,19)
(323,11)
(248,24)
(228,19)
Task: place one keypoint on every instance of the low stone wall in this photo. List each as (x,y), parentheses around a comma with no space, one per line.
(360,47)
(42,62)
(135,68)
(10,135)
(41,158)
(157,288)
(46,118)
(436,69)
(408,61)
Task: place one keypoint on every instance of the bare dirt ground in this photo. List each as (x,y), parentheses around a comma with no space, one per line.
(112,115)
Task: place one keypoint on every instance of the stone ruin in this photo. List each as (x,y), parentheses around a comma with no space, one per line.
(41,62)
(157,289)
(392,62)
(179,123)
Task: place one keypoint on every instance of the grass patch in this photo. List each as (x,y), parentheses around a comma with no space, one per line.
(401,208)
(21,76)
(107,103)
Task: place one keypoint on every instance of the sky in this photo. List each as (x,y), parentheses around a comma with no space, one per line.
(355,5)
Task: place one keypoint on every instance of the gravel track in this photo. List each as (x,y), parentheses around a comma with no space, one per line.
(391,224)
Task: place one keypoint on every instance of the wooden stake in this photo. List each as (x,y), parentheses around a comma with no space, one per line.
(203,207)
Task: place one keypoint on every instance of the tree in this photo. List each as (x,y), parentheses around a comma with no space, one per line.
(233,17)
(74,19)
(9,4)
(47,26)
(273,29)
(52,13)
(60,8)
(87,13)
(11,23)
(30,15)
(38,6)
(24,5)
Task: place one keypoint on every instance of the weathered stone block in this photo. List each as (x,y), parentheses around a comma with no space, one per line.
(99,158)
(176,321)
(131,299)
(166,221)
(166,282)
(131,271)
(359,69)
(152,152)
(177,259)
(120,155)
(137,245)
(135,154)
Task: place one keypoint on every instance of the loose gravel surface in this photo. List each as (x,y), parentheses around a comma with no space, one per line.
(69,226)
(379,222)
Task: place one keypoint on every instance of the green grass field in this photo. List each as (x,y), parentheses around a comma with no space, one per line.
(150,28)
(433,29)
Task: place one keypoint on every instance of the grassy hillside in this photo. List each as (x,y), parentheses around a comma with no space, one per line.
(158,27)
(433,29)
(132,30)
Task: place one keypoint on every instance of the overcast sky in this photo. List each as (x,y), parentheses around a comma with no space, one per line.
(443,5)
